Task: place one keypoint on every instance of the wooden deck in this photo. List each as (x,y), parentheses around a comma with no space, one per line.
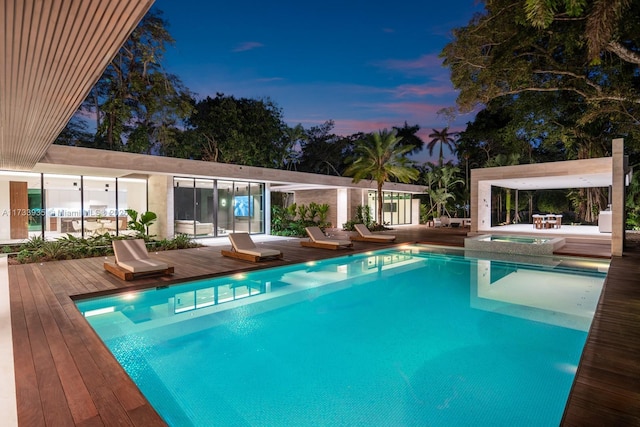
(65,376)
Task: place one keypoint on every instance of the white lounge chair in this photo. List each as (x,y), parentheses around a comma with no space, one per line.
(317,239)
(242,247)
(364,235)
(133,261)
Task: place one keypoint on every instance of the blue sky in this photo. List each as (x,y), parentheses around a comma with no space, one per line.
(366,65)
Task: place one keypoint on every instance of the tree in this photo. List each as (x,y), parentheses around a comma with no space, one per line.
(324,152)
(501,54)
(75,134)
(409,136)
(135,102)
(603,23)
(442,137)
(380,157)
(506,160)
(239,130)
(294,138)
(441,182)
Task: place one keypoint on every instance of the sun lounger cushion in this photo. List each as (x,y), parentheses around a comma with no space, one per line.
(365,233)
(316,235)
(132,255)
(143,265)
(243,243)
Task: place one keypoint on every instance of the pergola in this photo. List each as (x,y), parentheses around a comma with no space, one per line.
(598,172)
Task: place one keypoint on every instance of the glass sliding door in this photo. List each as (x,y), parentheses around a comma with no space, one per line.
(256,205)
(132,194)
(63,201)
(184,201)
(207,207)
(242,207)
(396,207)
(99,206)
(225,207)
(204,208)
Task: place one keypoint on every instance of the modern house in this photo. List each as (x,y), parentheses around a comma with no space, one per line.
(53,52)
(86,191)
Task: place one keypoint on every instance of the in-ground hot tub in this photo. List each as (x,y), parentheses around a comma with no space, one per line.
(525,245)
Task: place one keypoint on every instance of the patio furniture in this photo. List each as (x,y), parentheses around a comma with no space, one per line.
(539,221)
(364,235)
(317,239)
(133,261)
(242,247)
(190,227)
(462,222)
(553,221)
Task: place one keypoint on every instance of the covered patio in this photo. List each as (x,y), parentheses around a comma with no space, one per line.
(604,172)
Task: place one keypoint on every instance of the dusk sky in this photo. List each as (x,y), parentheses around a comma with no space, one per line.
(366,65)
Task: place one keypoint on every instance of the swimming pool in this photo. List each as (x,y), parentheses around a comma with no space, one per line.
(411,336)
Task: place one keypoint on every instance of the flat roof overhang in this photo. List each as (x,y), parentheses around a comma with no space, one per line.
(52,54)
(67,160)
(546,176)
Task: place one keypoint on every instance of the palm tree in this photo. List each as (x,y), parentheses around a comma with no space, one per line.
(440,183)
(379,157)
(442,137)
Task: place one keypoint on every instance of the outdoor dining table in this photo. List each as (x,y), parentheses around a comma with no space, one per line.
(547,221)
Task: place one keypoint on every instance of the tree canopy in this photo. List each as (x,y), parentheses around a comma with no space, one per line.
(135,102)
(239,130)
(501,53)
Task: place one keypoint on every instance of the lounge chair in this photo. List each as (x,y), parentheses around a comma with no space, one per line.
(242,247)
(364,235)
(317,239)
(133,261)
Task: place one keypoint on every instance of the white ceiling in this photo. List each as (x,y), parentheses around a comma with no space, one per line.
(579,180)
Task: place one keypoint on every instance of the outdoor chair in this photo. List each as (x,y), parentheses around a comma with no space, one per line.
(133,261)
(364,235)
(317,239)
(242,247)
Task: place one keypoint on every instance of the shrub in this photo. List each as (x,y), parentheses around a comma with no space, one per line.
(363,216)
(292,220)
(72,247)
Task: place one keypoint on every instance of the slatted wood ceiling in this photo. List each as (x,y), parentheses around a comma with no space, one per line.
(53,51)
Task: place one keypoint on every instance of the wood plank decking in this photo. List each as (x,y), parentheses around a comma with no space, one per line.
(65,376)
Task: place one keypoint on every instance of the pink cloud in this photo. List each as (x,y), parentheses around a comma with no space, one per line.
(410,108)
(408,90)
(351,126)
(423,65)
(243,47)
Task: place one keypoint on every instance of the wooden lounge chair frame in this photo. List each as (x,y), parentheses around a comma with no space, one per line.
(137,246)
(367,236)
(239,239)
(316,241)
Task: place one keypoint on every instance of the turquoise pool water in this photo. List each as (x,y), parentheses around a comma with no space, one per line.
(517,239)
(415,337)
